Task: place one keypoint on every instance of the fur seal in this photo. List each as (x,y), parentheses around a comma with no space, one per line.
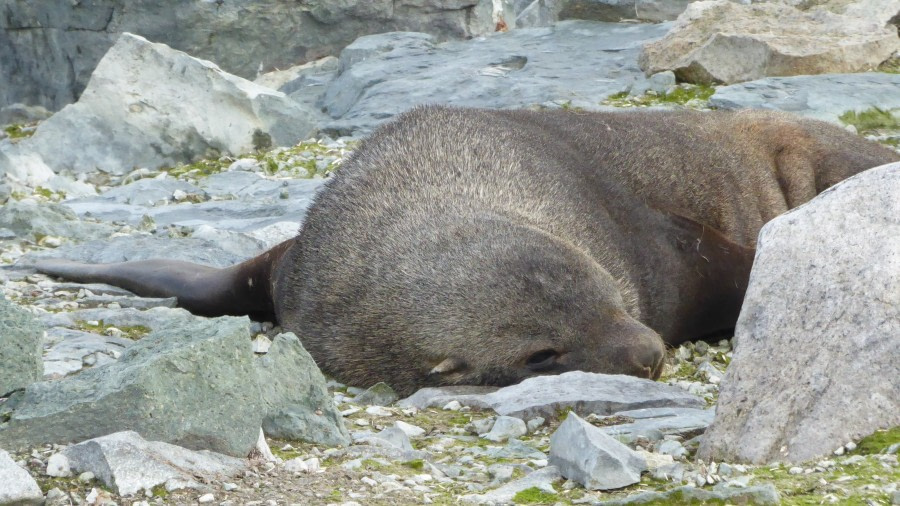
(467,246)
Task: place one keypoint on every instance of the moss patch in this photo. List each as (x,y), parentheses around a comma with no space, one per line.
(534,495)
(859,482)
(681,95)
(17,131)
(134,332)
(878,442)
(871,120)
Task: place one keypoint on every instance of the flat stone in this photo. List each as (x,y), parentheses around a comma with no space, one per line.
(583,453)
(17,487)
(654,423)
(825,273)
(192,384)
(71,348)
(759,495)
(542,479)
(546,396)
(128,464)
(825,97)
(296,402)
(506,427)
(21,339)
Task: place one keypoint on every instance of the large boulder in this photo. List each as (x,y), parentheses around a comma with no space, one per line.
(193,385)
(720,41)
(574,63)
(20,348)
(815,358)
(148,105)
(48,50)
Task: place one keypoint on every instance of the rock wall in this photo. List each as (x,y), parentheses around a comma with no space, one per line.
(49,49)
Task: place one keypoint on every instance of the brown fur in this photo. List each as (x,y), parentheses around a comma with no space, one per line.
(475,246)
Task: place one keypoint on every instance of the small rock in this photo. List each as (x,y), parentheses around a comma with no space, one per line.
(18,486)
(506,427)
(378,411)
(481,426)
(229,487)
(86,476)
(534,424)
(58,466)
(795,470)
(205,498)
(409,429)
(379,394)
(584,453)
(261,344)
(296,465)
(673,448)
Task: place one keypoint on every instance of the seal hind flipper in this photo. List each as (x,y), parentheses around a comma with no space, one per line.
(242,289)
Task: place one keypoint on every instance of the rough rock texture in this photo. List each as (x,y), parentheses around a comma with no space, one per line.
(33,221)
(17,487)
(20,348)
(655,423)
(585,454)
(546,12)
(297,404)
(69,350)
(758,495)
(726,42)
(815,359)
(148,105)
(546,396)
(193,385)
(577,63)
(542,479)
(48,50)
(128,464)
(823,97)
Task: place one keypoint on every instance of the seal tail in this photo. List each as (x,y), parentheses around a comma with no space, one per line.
(242,289)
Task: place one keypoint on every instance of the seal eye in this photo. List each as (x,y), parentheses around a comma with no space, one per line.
(542,360)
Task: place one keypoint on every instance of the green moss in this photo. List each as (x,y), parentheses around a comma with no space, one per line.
(133,332)
(871,120)
(160,491)
(681,95)
(17,131)
(372,465)
(417,464)
(534,495)
(866,486)
(878,441)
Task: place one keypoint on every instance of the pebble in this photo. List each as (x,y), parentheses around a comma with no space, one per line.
(85,477)
(229,487)
(379,411)
(452,406)
(205,498)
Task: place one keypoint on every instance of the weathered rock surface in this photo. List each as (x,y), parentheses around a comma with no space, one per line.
(815,359)
(187,109)
(71,350)
(21,339)
(585,454)
(654,423)
(128,464)
(297,404)
(720,41)
(823,97)
(532,13)
(17,487)
(542,479)
(578,63)
(47,52)
(32,220)
(546,396)
(193,385)
(757,494)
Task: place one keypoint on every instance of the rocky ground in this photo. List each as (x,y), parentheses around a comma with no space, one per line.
(442,454)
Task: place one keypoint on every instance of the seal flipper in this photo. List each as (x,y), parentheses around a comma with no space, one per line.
(242,289)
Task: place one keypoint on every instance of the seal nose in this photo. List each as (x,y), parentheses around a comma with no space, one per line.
(645,359)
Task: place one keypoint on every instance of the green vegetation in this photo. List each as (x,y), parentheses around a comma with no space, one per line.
(17,131)
(160,491)
(417,464)
(681,95)
(879,441)
(134,332)
(534,495)
(871,120)
(853,481)
(891,66)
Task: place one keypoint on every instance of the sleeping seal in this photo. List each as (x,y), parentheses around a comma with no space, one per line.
(463,246)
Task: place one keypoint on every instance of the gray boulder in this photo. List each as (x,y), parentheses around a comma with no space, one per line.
(547,12)
(825,97)
(720,41)
(21,339)
(188,109)
(72,350)
(53,48)
(585,454)
(193,385)
(506,427)
(296,402)
(577,63)
(547,396)
(128,464)
(815,355)
(542,479)
(17,487)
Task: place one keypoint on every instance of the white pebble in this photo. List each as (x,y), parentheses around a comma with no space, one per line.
(362,422)
(850,446)
(795,470)
(58,466)
(452,406)
(205,498)
(379,411)
(409,429)
(296,465)
(369,481)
